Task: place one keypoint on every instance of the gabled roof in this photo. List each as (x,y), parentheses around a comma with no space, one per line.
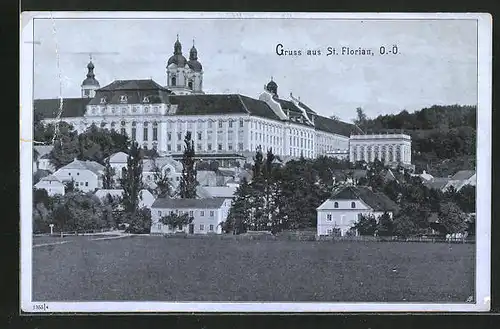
(50,178)
(116,192)
(49,108)
(333,126)
(119,157)
(218,191)
(437,183)
(208,203)
(376,200)
(258,108)
(463,175)
(43,150)
(135,90)
(93,166)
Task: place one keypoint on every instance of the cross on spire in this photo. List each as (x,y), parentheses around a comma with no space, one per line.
(177,36)
(193,42)
(90,56)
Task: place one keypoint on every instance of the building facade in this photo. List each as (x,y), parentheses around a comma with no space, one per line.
(394,148)
(207,214)
(86,175)
(159,117)
(338,214)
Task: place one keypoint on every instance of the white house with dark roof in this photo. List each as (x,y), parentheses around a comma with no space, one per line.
(51,184)
(86,175)
(461,179)
(207,214)
(341,211)
(41,160)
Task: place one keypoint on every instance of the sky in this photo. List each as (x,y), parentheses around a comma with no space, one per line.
(435,64)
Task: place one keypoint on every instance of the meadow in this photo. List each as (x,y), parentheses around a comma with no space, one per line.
(149,268)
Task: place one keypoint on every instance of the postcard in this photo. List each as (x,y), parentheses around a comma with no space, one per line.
(255,162)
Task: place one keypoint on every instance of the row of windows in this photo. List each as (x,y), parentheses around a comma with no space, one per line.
(265,127)
(181,227)
(199,135)
(199,124)
(81,184)
(199,147)
(190,212)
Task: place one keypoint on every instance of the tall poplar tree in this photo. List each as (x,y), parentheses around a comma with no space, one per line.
(132,180)
(107,177)
(188,184)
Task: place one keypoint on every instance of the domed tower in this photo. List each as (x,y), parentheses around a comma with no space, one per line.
(90,84)
(183,76)
(272,87)
(195,74)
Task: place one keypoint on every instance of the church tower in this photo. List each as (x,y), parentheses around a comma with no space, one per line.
(184,76)
(90,84)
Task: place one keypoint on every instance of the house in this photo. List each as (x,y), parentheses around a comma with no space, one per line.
(86,175)
(348,176)
(41,159)
(117,161)
(207,214)
(172,168)
(146,198)
(340,212)
(51,184)
(438,183)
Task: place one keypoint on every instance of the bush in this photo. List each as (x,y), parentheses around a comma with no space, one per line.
(139,222)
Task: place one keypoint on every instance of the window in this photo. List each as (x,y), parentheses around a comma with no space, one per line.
(191,213)
(220,124)
(169,136)
(155,131)
(86,183)
(209,124)
(202,213)
(211,227)
(329,231)
(241,123)
(198,147)
(123,131)
(179,136)
(180,227)
(123,98)
(240,146)
(169,147)
(353,204)
(202,227)
(230,147)
(230,123)
(78,174)
(190,85)
(178,147)
(199,136)
(76,183)
(174,81)
(219,147)
(211,213)
(145,136)
(209,146)
(328,216)
(159,226)
(336,205)
(133,130)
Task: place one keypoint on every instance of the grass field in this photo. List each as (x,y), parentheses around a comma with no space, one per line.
(159,269)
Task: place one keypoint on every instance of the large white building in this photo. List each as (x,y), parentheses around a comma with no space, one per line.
(158,117)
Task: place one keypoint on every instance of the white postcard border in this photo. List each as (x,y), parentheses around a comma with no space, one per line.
(483,235)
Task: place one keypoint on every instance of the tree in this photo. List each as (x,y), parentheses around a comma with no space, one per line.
(163,184)
(139,222)
(76,211)
(107,177)
(466,199)
(361,119)
(385,225)
(175,220)
(132,181)
(404,225)
(240,211)
(452,218)
(188,184)
(366,225)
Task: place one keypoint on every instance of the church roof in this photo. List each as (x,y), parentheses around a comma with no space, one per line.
(221,104)
(49,108)
(135,90)
(463,175)
(333,126)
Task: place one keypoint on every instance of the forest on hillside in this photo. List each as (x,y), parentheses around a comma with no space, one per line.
(443,137)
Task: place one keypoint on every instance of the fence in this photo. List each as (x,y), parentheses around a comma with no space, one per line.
(73,233)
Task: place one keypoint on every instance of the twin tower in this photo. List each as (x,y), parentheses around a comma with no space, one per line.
(184,76)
